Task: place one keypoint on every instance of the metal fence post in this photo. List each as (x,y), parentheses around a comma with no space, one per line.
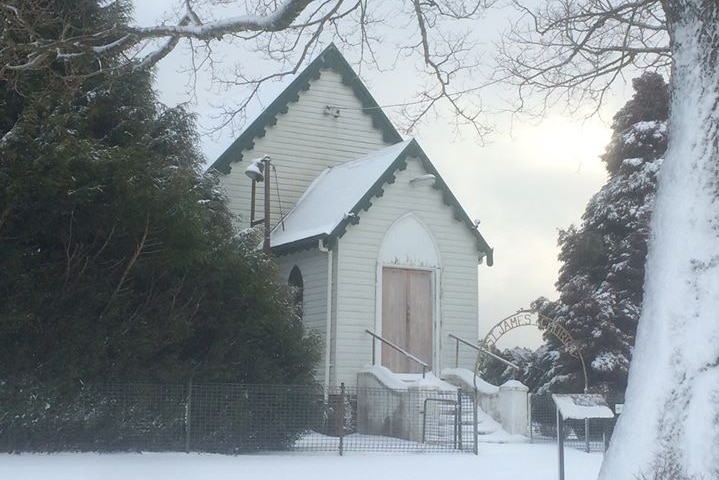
(529,417)
(460,422)
(188,414)
(586,435)
(342,417)
(560,444)
(475,409)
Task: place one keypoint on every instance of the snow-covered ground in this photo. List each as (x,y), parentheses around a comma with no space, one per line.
(494,462)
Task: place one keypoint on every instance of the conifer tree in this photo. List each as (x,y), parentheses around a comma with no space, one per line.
(601,278)
(119,257)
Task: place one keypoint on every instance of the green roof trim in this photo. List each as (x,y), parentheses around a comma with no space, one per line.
(330,58)
(377,190)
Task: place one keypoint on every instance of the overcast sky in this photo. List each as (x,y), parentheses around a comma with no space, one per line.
(532,179)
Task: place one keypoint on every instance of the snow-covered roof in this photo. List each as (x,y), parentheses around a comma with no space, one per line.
(337,197)
(581,406)
(333,196)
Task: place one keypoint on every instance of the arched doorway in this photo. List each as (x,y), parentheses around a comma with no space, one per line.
(408,265)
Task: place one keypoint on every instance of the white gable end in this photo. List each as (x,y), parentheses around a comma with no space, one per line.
(306,139)
(397,231)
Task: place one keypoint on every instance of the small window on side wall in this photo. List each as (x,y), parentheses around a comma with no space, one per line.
(297,290)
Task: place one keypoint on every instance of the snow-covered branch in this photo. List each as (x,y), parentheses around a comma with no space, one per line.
(278,20)
(40,50)
(289,32)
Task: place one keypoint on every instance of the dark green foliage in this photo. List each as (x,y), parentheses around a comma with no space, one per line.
(220,418)
(119,260)
(32,26)
(494,371)
(249,418)
(650,102)
(601,278)
(535,366)
(52,417)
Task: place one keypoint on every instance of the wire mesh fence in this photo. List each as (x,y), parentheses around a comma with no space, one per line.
(232,418)
(590,435)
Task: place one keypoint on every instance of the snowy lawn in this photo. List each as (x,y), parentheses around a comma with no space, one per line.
(495,462)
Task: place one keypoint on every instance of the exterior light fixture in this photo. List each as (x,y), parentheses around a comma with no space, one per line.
(256,169)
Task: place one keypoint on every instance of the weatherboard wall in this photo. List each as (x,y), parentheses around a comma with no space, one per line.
(304,142)
(313,266)
(456,279)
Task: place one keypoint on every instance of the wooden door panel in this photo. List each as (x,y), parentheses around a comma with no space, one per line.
(394,307)
(406,318)
(419,304)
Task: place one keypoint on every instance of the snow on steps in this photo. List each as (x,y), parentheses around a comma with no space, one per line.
(440,417)
(490,430)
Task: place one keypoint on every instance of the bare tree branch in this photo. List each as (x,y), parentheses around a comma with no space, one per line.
(574,50)
(130,264)
(288,32)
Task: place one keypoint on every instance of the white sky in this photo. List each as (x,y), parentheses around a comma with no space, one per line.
(533,178)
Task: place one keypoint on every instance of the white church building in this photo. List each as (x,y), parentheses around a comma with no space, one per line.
(363,226)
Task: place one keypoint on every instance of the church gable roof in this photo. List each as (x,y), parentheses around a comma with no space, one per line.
(332,59)
(337,198)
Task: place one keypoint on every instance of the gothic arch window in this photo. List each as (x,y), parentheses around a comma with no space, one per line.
(409,242)
(297,290)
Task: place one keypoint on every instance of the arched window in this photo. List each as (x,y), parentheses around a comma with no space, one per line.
(297,290)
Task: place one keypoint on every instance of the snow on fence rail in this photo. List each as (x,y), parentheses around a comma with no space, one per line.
(221,418)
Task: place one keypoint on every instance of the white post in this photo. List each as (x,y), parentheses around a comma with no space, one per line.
(513,411)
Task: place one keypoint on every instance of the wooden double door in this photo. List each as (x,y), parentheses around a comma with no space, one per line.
(407,313)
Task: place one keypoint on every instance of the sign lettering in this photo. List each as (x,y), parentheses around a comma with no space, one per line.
(526,318)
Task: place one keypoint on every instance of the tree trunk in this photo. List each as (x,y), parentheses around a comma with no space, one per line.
(670,424)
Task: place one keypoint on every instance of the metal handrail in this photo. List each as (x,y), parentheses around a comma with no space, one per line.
(479,349)
(424,365)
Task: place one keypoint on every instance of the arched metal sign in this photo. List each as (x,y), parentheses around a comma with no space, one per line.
(526,318)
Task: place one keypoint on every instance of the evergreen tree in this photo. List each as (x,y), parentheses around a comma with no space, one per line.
(534,366)
(119,257)
(601,278)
